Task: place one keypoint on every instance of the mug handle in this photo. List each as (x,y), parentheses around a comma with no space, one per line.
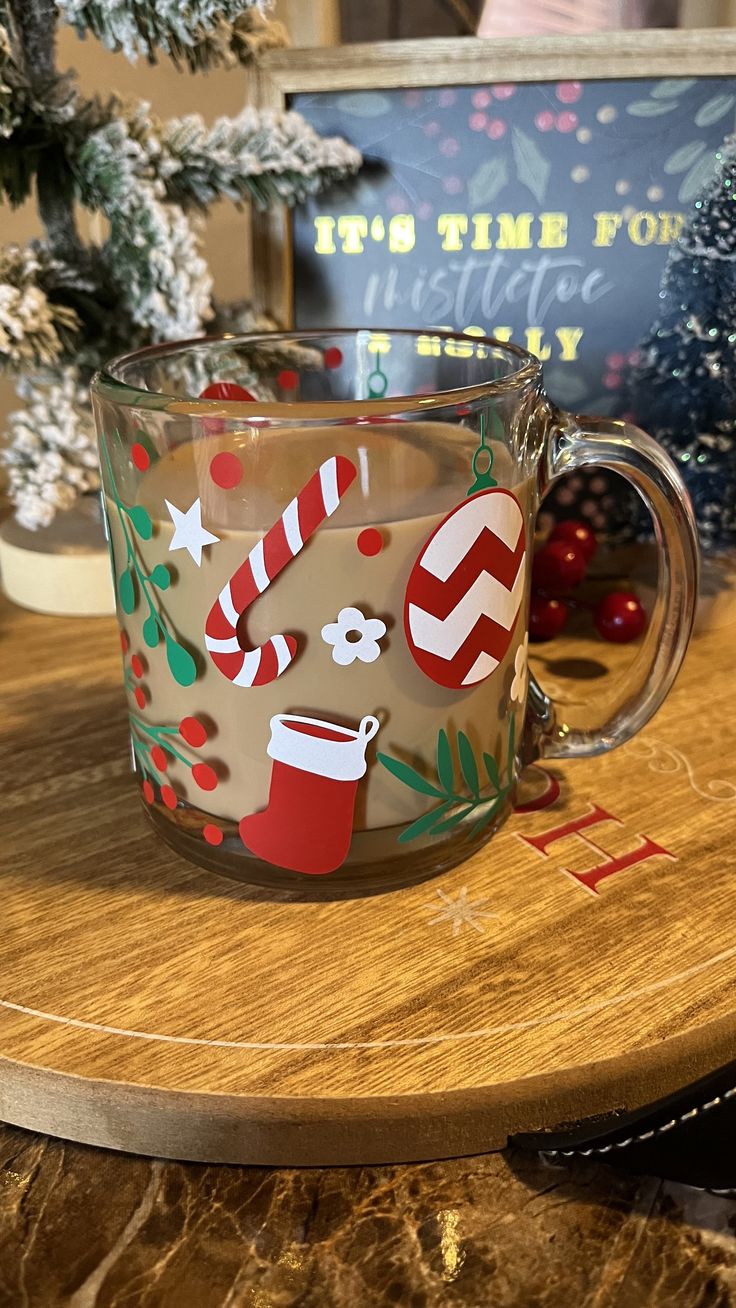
(572,443)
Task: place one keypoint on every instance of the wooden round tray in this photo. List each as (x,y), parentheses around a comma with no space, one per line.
(583,963)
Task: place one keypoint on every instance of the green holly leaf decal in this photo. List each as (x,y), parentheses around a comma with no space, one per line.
(426,821)
(487,817)
(445,767)
(409,776)
(452,821)
(161,576)
(150,631)
(126,591)
(492,770)
(141,520)
(468,764)
(181,664)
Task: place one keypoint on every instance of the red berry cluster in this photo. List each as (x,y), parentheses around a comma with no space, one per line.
(559,567)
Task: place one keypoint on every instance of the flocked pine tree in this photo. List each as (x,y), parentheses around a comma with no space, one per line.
(66,306)
(684,389)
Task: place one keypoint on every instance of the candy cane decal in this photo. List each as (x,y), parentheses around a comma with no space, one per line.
(316,502)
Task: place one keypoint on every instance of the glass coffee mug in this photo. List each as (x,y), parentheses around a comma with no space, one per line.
(321,545)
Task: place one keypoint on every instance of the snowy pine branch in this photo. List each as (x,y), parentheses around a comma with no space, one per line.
(52,455)
(163,280)
(34,329)
(262,155)
(201,33)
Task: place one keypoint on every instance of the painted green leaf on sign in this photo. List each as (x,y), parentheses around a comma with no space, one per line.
(684,157)
(672,86)
(487,181)
(694,181)
(126,591)
(364,104)
(532,169)
(712,110)
(650,108)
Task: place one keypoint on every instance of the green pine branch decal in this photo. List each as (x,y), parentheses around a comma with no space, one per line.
(133,582)
(480,791)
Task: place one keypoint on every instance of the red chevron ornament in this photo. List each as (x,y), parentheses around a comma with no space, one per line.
(466,589)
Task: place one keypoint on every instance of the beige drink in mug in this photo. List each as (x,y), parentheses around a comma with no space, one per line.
(322,551)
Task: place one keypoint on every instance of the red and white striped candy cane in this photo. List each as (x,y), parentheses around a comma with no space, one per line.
(300,519)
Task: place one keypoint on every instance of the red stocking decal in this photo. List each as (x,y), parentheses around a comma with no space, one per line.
(299,520)
(307,825)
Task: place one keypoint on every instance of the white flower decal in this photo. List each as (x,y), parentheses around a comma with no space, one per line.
(518,685)
(353,637)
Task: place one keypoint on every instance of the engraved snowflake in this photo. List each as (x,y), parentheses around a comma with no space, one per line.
(459,911)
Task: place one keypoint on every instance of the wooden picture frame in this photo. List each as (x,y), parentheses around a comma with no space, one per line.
(452,62)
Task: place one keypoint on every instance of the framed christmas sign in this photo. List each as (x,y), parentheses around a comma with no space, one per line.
(528,190)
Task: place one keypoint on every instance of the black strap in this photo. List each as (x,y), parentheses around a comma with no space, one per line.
(689,1136)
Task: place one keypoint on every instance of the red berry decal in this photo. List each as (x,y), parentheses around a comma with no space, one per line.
(212,834)
(139,697)
(370,541)
(558,566)
(226,470)
(159,759)
(169,797)
(620,617)
(547,617)
(226,391)
(140,456)
(576,533)
(333,357)
(124,642)
(288,380)
(192,731)
(204,776)
(137,666)
(148,791)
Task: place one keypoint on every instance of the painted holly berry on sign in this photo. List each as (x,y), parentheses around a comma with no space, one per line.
(465,590)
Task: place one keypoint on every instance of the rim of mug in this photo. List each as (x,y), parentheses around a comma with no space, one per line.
(114,389)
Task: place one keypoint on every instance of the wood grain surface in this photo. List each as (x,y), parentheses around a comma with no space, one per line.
(151,1006)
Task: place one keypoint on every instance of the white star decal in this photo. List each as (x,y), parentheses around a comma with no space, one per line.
(459,911)
(189,534)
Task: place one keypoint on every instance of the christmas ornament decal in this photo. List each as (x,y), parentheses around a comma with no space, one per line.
(189,534)
(465,590)
(340,635)
(307,825)
(316,502)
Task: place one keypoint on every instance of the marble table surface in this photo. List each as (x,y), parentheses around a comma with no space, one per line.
(85,1228)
